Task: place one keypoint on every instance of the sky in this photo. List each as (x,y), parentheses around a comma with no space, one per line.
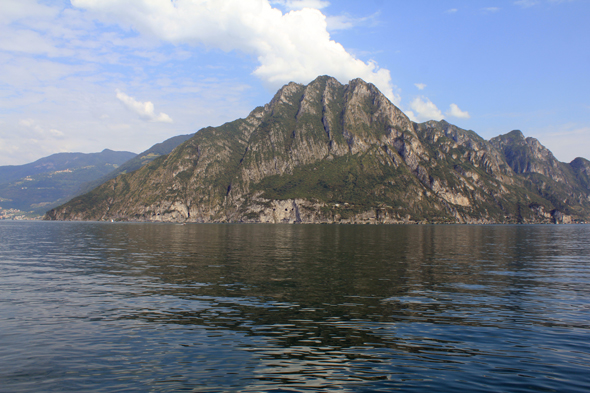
(85,75)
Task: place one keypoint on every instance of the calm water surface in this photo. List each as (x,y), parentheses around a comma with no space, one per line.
(286,308)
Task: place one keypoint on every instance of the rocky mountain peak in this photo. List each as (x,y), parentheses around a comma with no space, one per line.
(514,135)
(581,164)
(581,168)
(528,155)
(284,96)
(328,152)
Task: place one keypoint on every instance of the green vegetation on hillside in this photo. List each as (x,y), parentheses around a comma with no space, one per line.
(328,152)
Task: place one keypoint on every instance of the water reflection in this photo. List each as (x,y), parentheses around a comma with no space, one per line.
(343,308)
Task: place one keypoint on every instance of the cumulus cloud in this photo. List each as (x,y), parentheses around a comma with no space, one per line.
(420,86)
(454,111)
(423,109)
(145,110)
(295,46)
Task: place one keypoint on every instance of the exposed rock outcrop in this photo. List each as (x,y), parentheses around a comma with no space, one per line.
(333,153)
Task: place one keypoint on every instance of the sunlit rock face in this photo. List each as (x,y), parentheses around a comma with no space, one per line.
(333,153)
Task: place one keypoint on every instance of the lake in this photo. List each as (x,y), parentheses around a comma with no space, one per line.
(111,307)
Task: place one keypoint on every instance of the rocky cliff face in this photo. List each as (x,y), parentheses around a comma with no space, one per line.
(328,152)
(564,185)
(581,168)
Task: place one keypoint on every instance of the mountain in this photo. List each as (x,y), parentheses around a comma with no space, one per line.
(52,179)
(328,152)
(56,179)
(566,186)
(62,161)
(136,162)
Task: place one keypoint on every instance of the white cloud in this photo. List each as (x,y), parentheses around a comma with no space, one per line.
(300,4)
(340,22)
(24,149)
(454,111)
(420,86)
(526,3)
(451,11)
(423,109)
(531,3)
(295,46)
(32,124)
(56,133)
(12,10)
(345,21)
(491,9)
(145,110)
(33,129)
(28,41)
(26,140)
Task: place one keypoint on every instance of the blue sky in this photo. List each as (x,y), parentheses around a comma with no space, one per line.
(84,75)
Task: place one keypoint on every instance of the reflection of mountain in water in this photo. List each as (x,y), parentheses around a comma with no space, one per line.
(294,308)
(335,286)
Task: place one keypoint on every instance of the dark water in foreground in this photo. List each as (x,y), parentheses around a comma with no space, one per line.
(288,308)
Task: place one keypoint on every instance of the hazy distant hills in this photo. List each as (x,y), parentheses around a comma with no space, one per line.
(159,149)
(62,161)
(333,153)
(55,179)
(49,180)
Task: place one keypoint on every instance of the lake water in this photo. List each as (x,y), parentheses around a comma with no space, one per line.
(113,307)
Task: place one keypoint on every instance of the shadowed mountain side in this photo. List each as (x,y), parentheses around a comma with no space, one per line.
(333,153)
(63,161)
(53,180)
(159,149)
(566,186)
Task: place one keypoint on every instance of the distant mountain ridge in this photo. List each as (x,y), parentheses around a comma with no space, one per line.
(333,153)
(565,185)
(51,180)
(136,162)
(62,161)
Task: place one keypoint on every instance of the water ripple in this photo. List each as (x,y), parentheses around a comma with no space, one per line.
(242,308)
